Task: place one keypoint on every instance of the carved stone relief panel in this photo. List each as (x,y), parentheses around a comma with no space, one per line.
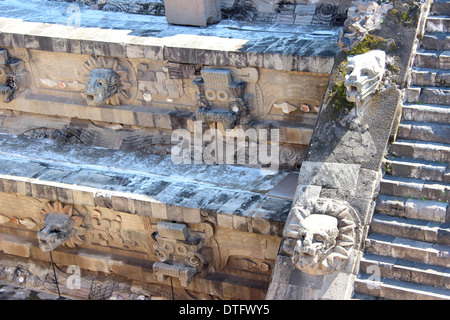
(229,94)
(62,72)
(221,98)
(155,82)
(301,99)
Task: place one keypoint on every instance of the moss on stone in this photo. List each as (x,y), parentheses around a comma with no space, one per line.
(339,94)
(404,14)
(371,42)
(340,103)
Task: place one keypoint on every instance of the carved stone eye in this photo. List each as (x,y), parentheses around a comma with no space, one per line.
(10,82)
(367,72)
(55,229)
(101,83)
(349,69)
(318,238)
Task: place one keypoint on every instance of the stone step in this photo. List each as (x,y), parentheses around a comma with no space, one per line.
(422,77)
(426,113)
(404,270)
(427,210)
(392,289)
(361,296)
(415,229)
(424,131)
(432,59)
(408,249)
(440,7)
(428,95)
(436,41)
(438,23)
(415,188)
(424,150)
(418,169)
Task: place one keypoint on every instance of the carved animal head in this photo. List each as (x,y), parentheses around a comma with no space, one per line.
(58,229)
(101,85)
(364,74)
(317,237)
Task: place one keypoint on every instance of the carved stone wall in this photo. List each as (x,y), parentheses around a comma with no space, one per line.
(113,214)
(166,96)
(145,250)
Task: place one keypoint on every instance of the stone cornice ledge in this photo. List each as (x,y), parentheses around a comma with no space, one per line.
(182,48)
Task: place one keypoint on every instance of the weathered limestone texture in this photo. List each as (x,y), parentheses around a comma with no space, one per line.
(362,16)
(150,7)
(334,201)
(195,12)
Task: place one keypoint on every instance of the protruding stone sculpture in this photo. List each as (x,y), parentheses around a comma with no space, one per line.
(174,242)
(106,82)
(218,90)
(181,252)
(319,237)
(58,229)
(102,85)
(364,75)
(60,226)
(183,273)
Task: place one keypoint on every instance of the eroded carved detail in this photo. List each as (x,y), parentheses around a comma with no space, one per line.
(61,226)
(183,273)
(106,83)
(13,76)
(181,250)
(319,236)
(27,222)
(221,98)
(157,83)
(362,17)
(364,75)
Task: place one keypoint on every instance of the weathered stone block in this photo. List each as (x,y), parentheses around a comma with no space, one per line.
(159,210)
(195,12)
(94,261)
(330,175)
(83,196)
(16,246)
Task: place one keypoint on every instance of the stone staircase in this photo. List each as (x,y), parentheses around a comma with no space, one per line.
(407,254)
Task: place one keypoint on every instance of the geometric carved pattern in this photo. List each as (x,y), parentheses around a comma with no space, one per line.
(180,250)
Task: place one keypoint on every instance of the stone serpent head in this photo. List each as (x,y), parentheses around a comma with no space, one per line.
(58,229)
(101,85)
